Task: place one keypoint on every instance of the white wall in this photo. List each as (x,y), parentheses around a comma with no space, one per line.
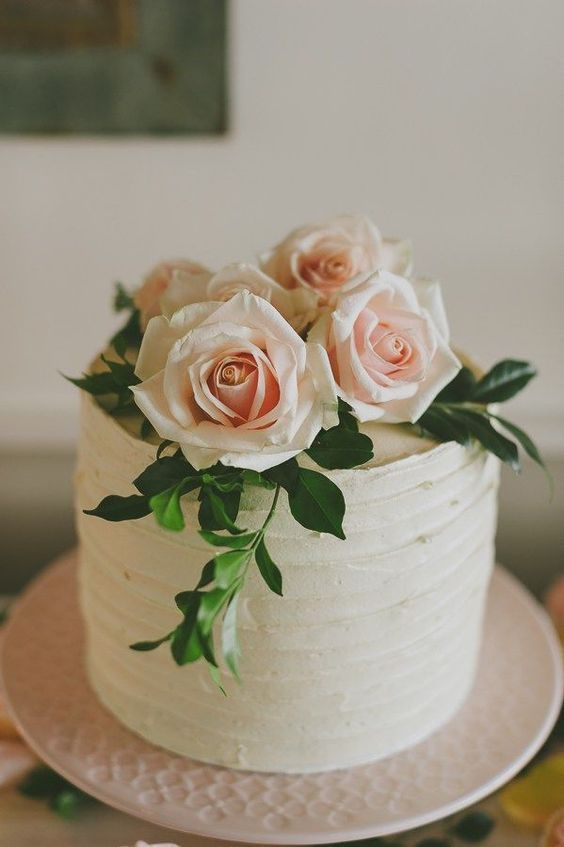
(443,119)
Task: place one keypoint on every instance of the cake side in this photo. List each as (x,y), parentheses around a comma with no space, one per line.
(373,645)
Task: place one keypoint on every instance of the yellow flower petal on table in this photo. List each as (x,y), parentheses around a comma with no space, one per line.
(532,799)
(554,832)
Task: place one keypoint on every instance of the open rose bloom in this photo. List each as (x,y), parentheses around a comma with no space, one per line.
(387,341)
(323,257)
(233,382)
(165,284)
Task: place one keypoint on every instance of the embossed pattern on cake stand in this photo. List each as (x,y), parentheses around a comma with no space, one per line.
(511,710)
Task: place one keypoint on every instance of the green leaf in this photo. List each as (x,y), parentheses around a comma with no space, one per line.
(68,802)
(207,576)
(474,827)
(41,783)
(219,509)
(257,479)
(442,425)
(123,373)
(122,298)
(215,675)
(229,639)
(317,503)
(236,542)
(185,646)
(115,508)
(458,389)
(163,474)
(228,566)
(207,646)
(145,646)
(339,447)
(163,446)
(167,510)
(285,474)
(211,604)
(269,570)
(346,419)
(128,336)
(526,443)
(503,381)
(147,429)
(97,384)
(490,438)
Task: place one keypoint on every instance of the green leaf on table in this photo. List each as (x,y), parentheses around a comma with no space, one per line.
(269,570)
(229,639)
(236,542)
(506,379)
(65,799)
(339,447)
(473,827)
(116,508)
(228,566)
(317,503)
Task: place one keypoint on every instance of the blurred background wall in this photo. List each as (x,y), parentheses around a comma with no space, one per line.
(442,120)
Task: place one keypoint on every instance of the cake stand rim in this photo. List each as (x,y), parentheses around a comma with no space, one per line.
(68,562)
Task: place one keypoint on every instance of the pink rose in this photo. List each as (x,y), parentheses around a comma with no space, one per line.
(148,298)
(387,341)
(233,382)
(228,282)
(323,257)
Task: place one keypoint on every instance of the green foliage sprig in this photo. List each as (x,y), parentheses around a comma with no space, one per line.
(114,384)
(62,797)
(130,334)
(460,412)
(314,500)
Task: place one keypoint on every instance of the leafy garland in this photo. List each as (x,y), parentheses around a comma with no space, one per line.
(460,413)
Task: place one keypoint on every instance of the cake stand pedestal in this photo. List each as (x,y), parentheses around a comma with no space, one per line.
(511,710)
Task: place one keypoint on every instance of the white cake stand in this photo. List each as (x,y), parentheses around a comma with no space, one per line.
(510,712)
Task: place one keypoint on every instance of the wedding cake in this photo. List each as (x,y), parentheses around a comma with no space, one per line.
(286,501)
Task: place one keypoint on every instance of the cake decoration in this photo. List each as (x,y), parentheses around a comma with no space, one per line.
(244,378)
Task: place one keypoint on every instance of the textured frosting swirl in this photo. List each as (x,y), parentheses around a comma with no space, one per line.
(373,645)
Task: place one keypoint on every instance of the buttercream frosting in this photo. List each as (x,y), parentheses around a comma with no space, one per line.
(373,646)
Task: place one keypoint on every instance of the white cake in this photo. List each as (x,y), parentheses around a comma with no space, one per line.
(373,646)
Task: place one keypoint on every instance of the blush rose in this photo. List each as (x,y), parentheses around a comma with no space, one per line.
(234,383)
(324,257)
(387,342)
(178,275)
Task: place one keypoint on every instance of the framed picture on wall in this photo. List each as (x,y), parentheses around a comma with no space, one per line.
(113,66)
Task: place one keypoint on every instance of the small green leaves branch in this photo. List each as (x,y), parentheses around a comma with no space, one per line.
(112,387)
(314,500)
(460,412)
